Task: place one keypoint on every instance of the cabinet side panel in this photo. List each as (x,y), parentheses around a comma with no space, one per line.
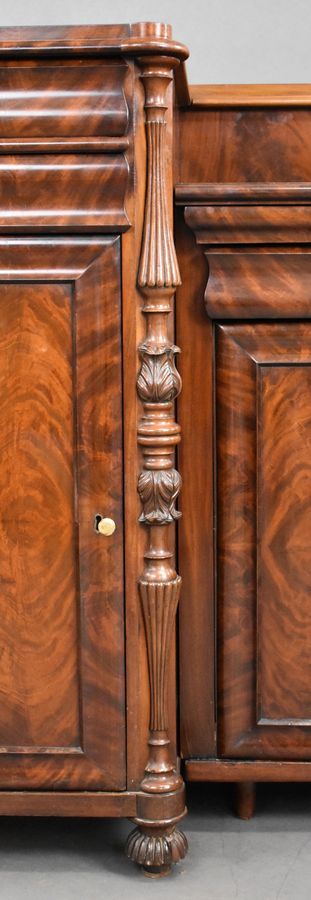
(195,531)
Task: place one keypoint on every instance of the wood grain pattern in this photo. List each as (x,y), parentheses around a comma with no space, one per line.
(68,97)
(196,529)
(38,672)
(136,39)
(283,528)
(269,615)
(243,145)
(250,224)
(156,843)
(100,488)
(246,770)
(133,335)
(42,100)
(266,95)
(63,145)
(70,803)
(249,193)
(61,634)
(259,284)
(61,192)
(242,166)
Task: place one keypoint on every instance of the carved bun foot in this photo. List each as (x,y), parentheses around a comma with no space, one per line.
(156,849)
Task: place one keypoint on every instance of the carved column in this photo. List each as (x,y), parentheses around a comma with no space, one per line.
(157,842)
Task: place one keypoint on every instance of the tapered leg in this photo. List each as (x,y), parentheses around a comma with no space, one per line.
(245,799)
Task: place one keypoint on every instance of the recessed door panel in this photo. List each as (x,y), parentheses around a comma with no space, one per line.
(62,719)
(263,404)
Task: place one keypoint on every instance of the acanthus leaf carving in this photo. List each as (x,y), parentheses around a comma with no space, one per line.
(158,490)
(158,380)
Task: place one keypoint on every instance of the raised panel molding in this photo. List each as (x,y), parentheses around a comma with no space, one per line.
(263,376)
(56,363)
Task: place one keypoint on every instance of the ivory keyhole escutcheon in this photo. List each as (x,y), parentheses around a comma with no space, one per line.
(104,525)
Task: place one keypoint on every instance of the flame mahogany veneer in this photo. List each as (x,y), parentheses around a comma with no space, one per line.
(88,432)
(92,145)
(243,239)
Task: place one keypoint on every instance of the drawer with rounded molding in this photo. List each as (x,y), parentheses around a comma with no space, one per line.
(57,99)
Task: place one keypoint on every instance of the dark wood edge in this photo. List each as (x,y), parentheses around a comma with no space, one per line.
(245,770)
(182,91)
(205,96)
(130,40)
(72,803)
(246,193)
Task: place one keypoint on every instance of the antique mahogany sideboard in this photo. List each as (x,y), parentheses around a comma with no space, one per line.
(89,589)
(98,129)
(243,238)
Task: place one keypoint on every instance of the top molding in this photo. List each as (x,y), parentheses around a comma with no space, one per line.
(242,95)
(145,38)
(137,39)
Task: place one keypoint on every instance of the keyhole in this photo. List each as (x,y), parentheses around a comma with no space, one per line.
(104,525)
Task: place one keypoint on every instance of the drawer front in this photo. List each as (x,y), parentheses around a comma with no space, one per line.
(65,192)
(62,99)
(62,715)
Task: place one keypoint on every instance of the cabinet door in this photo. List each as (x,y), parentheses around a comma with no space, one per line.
(263,403)
(62,720)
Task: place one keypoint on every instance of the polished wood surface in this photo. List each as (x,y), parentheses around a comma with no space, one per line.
(256,244)
(86,148)
(86,804)
(156,845)
(196,528)
(39,701)
(266,95)
(249,224)
(61,192)
(235,770)
(245,799)
(243,186)
(36,100)
(264,633)
(139,38)
(243,145)
(267,285)
(250,193)
(62,682)
(64,145)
